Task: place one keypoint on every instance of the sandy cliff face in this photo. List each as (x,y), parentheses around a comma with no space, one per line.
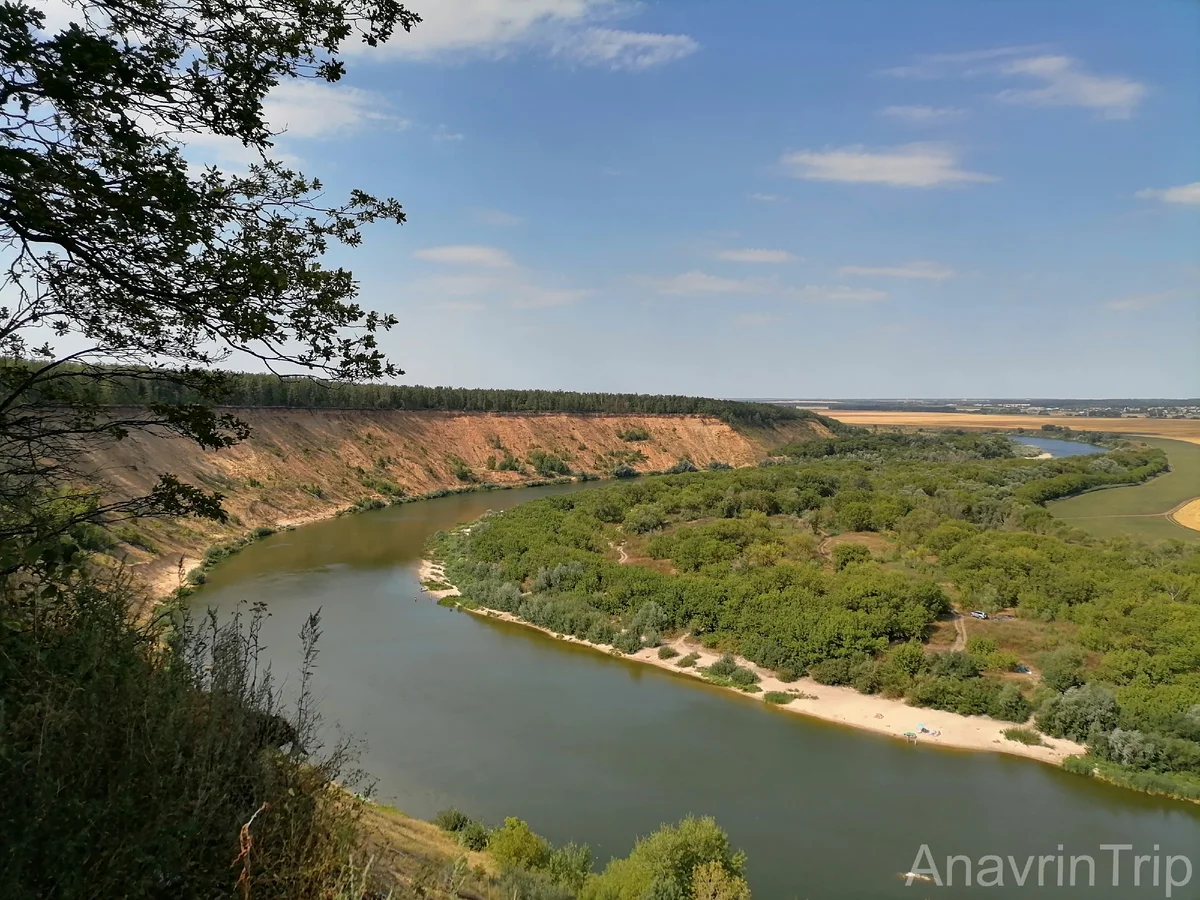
(301,465)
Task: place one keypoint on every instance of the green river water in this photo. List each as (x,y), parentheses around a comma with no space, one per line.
(500,720)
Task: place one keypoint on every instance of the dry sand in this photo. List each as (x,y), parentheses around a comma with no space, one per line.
(843,705)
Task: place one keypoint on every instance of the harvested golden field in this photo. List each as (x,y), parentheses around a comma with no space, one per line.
(1188,516)
(1178,429)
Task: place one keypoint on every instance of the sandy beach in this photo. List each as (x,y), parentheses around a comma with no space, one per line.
(843,705)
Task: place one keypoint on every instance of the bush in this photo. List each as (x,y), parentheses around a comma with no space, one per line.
(142,758)
(514,844)
(1079,713)
(1023,735)
(779,698)
(716,465)
(570,865)
(624,471)
(452,820)
(723,667)
(831,671)
(627,642)
(686,662)
(474,836)
(634,433)
(846,554)
(666,651)
(682,466)
(743,677)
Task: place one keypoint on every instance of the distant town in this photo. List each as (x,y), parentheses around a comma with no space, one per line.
(1107,409)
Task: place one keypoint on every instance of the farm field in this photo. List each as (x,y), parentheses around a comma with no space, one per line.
(1176,429)
(1146,510)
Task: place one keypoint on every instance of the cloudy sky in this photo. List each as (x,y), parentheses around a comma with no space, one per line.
(751,198)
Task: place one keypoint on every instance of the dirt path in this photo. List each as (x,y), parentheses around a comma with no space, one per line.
(1181,514)
(960,632)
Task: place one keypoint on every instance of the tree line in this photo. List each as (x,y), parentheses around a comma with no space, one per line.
(249,389)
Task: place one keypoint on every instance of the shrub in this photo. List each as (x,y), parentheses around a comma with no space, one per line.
(1079,713)
(1023,735)
(723,667)
(831,671)
(473,836)
(686,662)
(515,844)
(980,646)
(846,554)
(716,465)
(570,865)
(627,642)
(682,466)
(634,433)
(1063,669)
(743,677)
(624,471)
(452,820)
(779,698)
(786,674)
(142,758)
(547,463)
(666,651)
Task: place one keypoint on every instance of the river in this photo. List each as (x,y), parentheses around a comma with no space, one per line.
(500,720)
(1056,447)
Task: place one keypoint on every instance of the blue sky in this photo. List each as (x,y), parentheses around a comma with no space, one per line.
(744,198)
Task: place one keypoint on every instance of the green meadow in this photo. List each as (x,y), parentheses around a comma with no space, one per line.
(1140,511)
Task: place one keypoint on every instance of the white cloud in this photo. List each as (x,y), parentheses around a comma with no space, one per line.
(1187,194)
(1067,83)
(569,29)
(504,282)
(911,165)
(754,255)
(312,109)
(467,255)
(692,284)
(937,65)
(1065,80)
(441,134)
(496,218)
(1138,302)
(922,115)
(629,50)
(767,198)
(916,269)
(836,294)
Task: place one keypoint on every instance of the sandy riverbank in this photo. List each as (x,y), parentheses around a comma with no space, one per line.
(843,705)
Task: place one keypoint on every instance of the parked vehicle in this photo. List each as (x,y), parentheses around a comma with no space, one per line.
(978,614)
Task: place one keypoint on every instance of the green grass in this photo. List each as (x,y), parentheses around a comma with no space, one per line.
(1140,511)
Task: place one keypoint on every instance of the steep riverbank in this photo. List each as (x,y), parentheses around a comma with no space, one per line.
(299,466)
(842,705)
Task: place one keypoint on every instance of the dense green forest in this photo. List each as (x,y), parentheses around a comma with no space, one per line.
(755,562)
(247,389)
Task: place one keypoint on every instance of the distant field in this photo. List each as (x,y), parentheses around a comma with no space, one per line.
(1176,429)
(1145,510)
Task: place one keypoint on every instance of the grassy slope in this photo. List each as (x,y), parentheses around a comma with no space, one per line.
(1140,511)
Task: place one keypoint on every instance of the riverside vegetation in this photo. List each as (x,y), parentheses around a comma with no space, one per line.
(150,759)
(838,562)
